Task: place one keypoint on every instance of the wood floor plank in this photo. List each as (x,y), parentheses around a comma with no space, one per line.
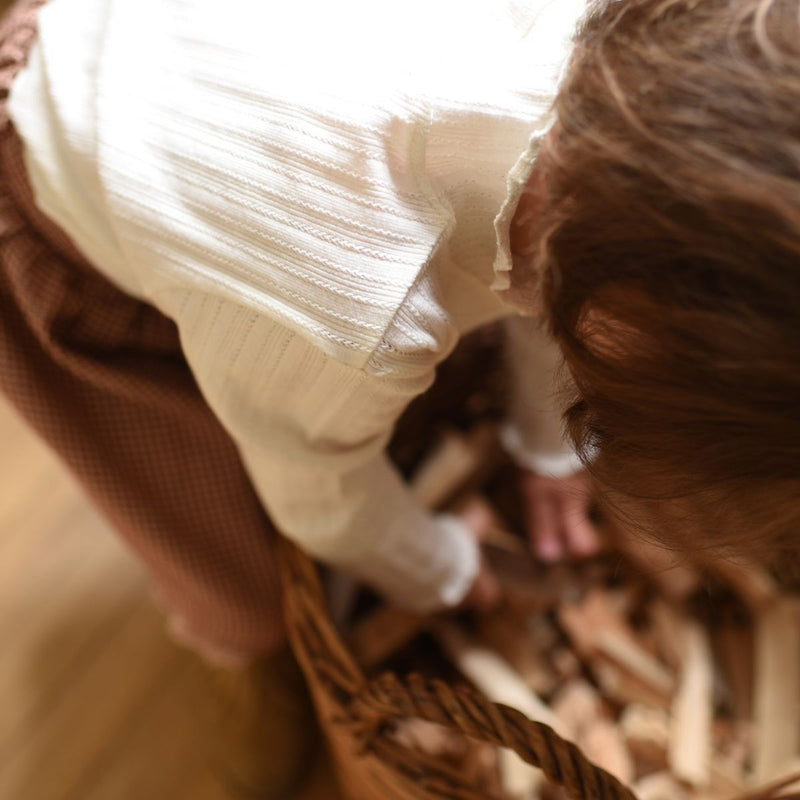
(51,758)
(54,650)
(163,747)
(71,547)
(59,607)
(27,518)
(31,488)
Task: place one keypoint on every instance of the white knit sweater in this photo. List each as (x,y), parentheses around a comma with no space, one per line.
(319,194)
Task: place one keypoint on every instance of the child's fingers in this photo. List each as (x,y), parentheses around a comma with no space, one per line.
(579,533)
(478,516)
(557,515)
(486,590)
(544,526)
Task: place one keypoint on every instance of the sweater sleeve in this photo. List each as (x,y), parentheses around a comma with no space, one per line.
(534,432)
(311,432)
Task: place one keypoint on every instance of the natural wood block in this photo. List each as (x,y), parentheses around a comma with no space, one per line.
(777,688)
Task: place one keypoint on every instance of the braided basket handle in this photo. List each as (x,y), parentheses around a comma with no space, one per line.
(472,714)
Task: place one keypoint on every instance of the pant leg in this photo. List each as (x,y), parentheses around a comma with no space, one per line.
(100,377)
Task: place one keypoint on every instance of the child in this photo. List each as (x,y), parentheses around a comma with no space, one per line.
(302,207)
(320,238)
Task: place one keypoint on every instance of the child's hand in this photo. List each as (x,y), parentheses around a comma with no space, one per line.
(557,513)
(485,592)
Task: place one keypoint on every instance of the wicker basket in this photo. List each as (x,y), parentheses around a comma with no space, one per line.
(354,713)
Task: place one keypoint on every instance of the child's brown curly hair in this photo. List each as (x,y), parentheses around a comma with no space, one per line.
(670,244)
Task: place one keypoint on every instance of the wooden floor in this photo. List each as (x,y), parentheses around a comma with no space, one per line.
(95,702)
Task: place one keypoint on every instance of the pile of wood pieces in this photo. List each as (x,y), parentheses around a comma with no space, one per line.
(680,678)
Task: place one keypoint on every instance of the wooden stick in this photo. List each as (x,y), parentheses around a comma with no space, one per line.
(727,779)
(659,786)
(450,464)
(692,711)
(623,649)
(498,681)
(777,688)
(734,648)
(624,668)
(578,705)
(581,711)
(518,639)
(646,732)
(667,625)
(786,777)
(752,583)
(622,686)
(453,462)
(603,744)
(503,540)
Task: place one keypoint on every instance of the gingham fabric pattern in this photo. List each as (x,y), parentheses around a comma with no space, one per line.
(101,378)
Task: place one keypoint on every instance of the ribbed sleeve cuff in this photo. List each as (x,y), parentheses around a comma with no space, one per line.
(431,568)
(428,574)
(552,465)
(466,560)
